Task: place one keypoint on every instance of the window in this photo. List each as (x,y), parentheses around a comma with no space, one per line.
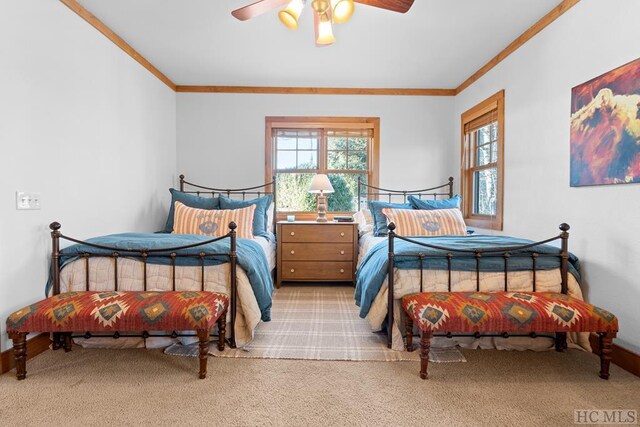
(482,163)
(343,148)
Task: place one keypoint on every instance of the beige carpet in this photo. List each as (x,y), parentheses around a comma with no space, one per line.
(318,323)
(147,387)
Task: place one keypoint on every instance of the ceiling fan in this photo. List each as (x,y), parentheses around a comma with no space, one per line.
(325,13)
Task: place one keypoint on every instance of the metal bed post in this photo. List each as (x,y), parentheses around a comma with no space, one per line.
(390,288)
(234,289)
(55,272)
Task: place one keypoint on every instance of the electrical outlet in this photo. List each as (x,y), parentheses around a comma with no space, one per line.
(27,201)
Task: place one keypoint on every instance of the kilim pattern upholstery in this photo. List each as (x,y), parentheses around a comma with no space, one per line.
(120,311)
(517,312)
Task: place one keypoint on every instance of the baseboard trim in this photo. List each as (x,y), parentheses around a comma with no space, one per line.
(35,346)
(626,359)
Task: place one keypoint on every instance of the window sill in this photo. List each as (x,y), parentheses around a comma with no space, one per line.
(486,223)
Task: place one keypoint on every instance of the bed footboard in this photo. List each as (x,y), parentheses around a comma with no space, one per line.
(503,254)
(170,253)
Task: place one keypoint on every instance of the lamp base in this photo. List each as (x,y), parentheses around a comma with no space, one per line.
(322,209)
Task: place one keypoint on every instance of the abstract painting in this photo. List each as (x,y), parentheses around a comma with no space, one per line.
(605,128)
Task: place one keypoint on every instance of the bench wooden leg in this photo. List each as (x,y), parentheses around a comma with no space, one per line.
(56,341)
(203,337)
(20,353)
(605,342)
(222,329)
(561,341)
(409,332)
(425,346)
(68,342)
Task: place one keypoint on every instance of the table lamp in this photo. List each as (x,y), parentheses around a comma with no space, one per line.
(320,185)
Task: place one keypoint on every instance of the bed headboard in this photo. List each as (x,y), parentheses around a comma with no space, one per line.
(234,193)
(366,192)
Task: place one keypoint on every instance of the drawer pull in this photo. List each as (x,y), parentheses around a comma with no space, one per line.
(293,252)
(342,234)
(293,270)
(341,252)
(342,270)
(293,233)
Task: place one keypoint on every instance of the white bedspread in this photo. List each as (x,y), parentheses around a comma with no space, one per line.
(407,281)
(131,275)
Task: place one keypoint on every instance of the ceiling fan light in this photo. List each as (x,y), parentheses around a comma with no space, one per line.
(289,16)
(342,10)
(325,33)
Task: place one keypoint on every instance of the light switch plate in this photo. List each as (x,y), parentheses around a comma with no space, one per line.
(27,200)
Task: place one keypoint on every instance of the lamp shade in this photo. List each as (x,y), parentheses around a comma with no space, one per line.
(320,184)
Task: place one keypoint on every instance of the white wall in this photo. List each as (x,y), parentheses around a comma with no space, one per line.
(221,137)
(593,37)
(83,124)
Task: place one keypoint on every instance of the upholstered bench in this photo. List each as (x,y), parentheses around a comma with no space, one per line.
(504,313)
(117,312)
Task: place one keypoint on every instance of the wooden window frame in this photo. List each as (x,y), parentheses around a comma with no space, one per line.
(491,222)
(291,122)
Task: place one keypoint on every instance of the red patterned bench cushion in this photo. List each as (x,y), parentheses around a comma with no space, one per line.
(120,311)
(506,312)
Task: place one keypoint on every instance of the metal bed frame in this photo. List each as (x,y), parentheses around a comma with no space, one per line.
(169,252)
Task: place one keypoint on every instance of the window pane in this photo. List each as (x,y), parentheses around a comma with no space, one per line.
(337,160)
(286,143)
(307,143)
(494,131)
(358,160)
(485,184)
(307,159)
(483,155)
(337,143)
(484,135)
(286,160)
(345,195)
(292,194)
(494,152)
(358,143)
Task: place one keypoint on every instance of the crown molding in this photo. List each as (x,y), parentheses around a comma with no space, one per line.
(544,22)
(316,90)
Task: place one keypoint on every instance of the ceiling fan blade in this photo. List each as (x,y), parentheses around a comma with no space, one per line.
(400,6)
(258,8)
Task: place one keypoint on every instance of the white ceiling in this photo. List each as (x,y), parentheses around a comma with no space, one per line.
(437,44)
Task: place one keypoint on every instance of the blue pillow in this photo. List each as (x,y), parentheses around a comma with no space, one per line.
(190,200)
(379,220)
(260,214)
(431,204)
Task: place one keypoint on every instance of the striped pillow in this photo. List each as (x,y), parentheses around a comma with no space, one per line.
(440,222)
(213,222)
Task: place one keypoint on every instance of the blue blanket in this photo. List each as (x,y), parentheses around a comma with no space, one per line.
(373,268)
(250,257)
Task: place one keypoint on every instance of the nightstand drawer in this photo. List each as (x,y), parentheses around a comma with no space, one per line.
(317,271)
(317,252)
(312,233)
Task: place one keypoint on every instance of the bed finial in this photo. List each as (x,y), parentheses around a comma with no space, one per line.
(564,227)
(233,225)
(391,227)
(55,226)
(450,179)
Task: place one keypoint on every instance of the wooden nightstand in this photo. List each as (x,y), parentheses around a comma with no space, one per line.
(310,251)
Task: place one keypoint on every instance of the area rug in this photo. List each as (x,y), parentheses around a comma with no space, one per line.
(318,323)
